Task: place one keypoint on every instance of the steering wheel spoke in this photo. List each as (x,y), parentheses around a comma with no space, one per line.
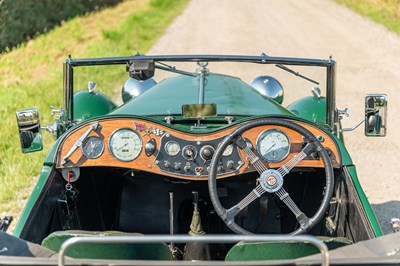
(254,194)
(271,180)
(303,220)
(251,156)
(287,167)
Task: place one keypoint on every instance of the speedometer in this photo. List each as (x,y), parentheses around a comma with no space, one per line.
(125,144)
(273,145)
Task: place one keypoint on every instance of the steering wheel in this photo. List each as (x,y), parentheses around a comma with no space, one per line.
(271,180)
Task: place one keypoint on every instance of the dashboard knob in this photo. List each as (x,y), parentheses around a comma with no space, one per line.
(189,152)
(167,164)
(207,152)
(187,168)
(177,166)
(229,164)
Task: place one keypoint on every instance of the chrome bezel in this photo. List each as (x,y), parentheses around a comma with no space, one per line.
(166,150)
(194,149)
(115,134)
(265,133)
(86,141)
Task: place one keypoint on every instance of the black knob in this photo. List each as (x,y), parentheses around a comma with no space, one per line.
(207,152)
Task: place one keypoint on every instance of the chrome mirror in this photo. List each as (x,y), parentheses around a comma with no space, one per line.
(375,115)
(29,130)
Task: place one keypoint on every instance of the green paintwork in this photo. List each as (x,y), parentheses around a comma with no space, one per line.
(232,96)
(44,174)
(310,108)
(46,170)
(344,154)
(37,144)
(279,251)
(125,251)
(88,105)
(367,207)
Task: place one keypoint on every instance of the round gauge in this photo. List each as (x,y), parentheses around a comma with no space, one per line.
(228,150)
(125,144)
(172,148)
(92,147)
(273,145)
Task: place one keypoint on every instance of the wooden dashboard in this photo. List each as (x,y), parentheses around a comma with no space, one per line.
(154,157)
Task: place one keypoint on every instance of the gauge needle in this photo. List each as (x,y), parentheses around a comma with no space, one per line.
(118,149)
(92,144)
(270,148)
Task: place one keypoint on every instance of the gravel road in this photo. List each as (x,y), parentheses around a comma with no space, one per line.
(368,59)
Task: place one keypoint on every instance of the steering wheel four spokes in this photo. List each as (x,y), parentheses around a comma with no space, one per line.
(271,180)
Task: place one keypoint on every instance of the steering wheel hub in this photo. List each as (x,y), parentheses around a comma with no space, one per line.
(271,180)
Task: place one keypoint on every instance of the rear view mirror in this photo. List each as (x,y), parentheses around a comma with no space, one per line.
(29,130)
(375,115)
(199,110)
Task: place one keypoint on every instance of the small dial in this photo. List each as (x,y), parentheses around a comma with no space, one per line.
(92,147)
(172,148)
(228,150)
(125,144)
(189,152)
(273,145)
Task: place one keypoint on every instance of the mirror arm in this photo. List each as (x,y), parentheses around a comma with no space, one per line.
(352,128)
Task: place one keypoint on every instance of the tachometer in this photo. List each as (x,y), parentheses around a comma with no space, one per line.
(273,145)
(125,144)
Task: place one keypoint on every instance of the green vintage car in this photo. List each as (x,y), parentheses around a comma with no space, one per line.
(204,158)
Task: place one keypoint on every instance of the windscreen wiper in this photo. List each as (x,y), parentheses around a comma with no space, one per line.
(173,69)
(296,73)
(292,71)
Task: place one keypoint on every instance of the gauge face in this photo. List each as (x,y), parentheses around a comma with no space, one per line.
(172,148)
(92,147)
(228,150)
(125,144)
(273,145)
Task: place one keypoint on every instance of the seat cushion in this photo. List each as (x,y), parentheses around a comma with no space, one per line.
(156,251)
(279,250)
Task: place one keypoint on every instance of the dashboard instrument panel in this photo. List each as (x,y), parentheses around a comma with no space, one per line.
(148,146)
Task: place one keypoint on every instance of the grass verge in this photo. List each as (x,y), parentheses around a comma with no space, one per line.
(31,76)
(385,12)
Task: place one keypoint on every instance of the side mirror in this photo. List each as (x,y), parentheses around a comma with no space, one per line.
(30,133)
(375,115)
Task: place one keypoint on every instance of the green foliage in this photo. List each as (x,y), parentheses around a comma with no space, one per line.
(31,76)
(385,12)
(21,20)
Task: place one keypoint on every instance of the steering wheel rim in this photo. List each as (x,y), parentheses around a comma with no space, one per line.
(228,215)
